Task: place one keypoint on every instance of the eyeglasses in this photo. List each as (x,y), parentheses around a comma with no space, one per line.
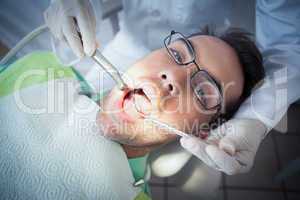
(205,87)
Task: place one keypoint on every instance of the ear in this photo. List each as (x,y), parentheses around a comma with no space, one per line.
(202,133)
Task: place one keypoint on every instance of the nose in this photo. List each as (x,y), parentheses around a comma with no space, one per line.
(171,81)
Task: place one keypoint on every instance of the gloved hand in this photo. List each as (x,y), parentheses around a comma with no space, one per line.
(230,148)
(66,18)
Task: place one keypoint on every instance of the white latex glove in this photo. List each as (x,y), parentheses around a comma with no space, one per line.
(66,17)
(231,148)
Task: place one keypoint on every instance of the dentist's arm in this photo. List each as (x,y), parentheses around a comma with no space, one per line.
(278,33)
(66,18)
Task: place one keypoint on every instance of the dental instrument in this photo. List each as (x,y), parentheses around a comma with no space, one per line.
(97,56)
(109,68)
(167,127)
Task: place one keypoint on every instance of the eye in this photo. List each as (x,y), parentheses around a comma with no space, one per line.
(201,94)
(176,55)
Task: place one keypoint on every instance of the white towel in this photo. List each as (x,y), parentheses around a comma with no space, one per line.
(57,152)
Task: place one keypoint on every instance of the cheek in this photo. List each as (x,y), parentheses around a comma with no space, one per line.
(108,103)
(146,134)
(189,115)
(170,105)
(179,103)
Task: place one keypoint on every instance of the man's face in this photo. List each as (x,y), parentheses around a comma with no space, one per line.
(160,88)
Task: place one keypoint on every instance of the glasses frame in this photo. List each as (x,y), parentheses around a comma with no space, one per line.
(167,42)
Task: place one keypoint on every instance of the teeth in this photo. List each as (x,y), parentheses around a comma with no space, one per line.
(138,91)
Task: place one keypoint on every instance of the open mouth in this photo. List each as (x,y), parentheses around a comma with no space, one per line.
(136,104)
(140,100)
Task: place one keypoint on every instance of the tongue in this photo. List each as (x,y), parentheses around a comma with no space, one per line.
(142,104)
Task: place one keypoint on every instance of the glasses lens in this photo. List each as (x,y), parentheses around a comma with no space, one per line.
(180,49)
(206,90)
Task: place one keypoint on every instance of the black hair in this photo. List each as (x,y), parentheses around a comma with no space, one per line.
(249,57)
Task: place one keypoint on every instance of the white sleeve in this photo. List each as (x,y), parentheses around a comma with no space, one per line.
(278,34)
